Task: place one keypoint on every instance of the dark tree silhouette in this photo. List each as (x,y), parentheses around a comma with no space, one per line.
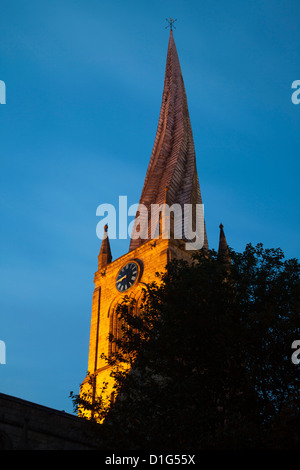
(210,357)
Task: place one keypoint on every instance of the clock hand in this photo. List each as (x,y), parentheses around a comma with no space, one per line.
(119,280)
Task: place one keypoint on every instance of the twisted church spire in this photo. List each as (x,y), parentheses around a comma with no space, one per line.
(173,161)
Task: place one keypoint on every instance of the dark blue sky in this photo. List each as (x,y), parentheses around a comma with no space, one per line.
(84,83)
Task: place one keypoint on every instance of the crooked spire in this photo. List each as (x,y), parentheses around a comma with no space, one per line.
(104,256)
(173,161)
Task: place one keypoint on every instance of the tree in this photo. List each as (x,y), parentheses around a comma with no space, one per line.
(89,404)
(209,356)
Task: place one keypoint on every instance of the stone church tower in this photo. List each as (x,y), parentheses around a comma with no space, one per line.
(171,178)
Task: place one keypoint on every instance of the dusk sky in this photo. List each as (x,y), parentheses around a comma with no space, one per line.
(84,82)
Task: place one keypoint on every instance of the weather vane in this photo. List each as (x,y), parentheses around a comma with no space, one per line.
(171,23)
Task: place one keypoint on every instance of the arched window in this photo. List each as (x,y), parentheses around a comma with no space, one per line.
(115,331)
(115,322)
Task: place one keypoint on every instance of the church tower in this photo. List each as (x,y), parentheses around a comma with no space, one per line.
(171,179)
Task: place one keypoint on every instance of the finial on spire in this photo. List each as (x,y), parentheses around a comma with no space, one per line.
(223,247)
(170,23)
(104,256)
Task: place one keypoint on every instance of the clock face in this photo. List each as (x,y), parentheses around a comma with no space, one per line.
(127,276)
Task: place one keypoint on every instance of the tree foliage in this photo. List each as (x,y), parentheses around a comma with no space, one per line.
(210,356)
